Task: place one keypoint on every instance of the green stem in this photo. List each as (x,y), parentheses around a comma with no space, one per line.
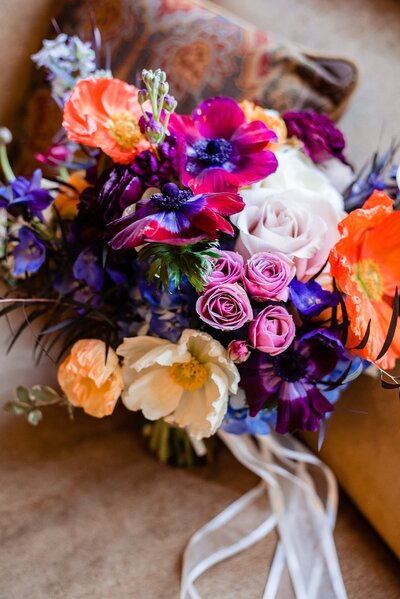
(5,164)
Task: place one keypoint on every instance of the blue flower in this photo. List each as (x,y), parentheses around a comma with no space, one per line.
(86,269)
(29,254)
(25,196)
(238,421)
(310,298)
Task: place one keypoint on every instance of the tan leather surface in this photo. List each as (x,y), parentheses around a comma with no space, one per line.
(84,511)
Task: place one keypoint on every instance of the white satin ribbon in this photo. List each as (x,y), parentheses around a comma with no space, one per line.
(289,499)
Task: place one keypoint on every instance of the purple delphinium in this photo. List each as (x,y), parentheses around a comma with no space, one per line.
(238,421)
(321,138)
(87,269)
(26,197)
(310,298)
(295,379)
(219,150)
(29,254)
(155,171)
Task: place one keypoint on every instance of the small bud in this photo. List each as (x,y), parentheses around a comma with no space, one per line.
(147,76)
(238,351)
(170,103)
(164,88)
(5,135)
(143,96)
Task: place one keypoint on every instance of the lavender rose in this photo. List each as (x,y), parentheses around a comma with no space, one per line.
(227,268)
(225,307)
(321,139)
(238,351)
(272,331)
(267,276)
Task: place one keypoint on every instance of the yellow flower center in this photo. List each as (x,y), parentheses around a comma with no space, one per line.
(189,375)
(125,130)
(369,279)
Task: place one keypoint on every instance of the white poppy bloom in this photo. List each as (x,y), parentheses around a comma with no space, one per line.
(187,383)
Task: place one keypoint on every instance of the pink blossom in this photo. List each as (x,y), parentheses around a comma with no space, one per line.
(272,331)
(225,307)
(267,276)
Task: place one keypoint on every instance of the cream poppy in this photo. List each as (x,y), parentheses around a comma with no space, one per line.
(187,383)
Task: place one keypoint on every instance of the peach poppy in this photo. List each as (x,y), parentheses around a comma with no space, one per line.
(270,118)
(105,113)
(89,379)
(366,265)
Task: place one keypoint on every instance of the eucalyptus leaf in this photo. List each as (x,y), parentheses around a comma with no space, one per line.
(23,395)
(34,417)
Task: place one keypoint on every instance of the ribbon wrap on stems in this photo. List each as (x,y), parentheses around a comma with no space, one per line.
(297,496)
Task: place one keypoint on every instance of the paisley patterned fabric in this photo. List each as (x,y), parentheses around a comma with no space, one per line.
(205,52)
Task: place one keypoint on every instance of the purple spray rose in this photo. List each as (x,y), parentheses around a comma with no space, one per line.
(267,276)
(238,351)
(225,307)
(227,268)
(272,331)
(321,139)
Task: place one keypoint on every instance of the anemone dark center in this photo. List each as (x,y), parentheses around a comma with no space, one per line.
(171,200)
(290,366)
(212,152)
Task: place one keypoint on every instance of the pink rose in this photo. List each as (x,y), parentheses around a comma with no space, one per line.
(227,269)
(272,331)
(267,276)
(225,307)
(238,351)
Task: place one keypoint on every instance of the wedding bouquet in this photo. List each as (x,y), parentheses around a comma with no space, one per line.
(224,270)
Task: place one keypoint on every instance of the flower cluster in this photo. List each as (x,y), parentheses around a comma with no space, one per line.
(201,267)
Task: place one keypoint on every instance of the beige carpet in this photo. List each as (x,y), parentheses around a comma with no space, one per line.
(85,512)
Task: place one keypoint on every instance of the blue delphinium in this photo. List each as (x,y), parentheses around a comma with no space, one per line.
(25,197)
(29,254)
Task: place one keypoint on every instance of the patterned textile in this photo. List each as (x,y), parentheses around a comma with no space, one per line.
(205,52)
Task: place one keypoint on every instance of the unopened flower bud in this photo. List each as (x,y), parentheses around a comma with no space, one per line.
(164,88)
(238,351)
(5,135)
(147,76)
(143,96)
(169,103)
(154,132)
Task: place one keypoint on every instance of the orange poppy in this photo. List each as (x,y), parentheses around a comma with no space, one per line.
(366,265)
(105,113)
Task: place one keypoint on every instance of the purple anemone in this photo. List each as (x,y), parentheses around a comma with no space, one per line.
(295,379)
(176,217)
(219,150)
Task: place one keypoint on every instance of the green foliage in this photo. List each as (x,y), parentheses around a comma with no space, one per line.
(170,263)
(30,400)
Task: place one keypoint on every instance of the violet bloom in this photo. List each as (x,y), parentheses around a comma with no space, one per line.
(25,196)
(321,139)
(29,254)
(227,268)
(155,171)
(87,269)
(295,379)
(220,151)
(267,276)
(310,298)
(225,307)
(116,189)
(176,217)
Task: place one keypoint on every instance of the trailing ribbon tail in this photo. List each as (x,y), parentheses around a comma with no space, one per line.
(305,563)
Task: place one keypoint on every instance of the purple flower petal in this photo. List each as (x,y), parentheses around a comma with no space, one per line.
(251,168)
(218,117)
(252,137)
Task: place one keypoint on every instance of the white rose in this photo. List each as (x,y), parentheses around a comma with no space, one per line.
(296,171)
(294,211)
